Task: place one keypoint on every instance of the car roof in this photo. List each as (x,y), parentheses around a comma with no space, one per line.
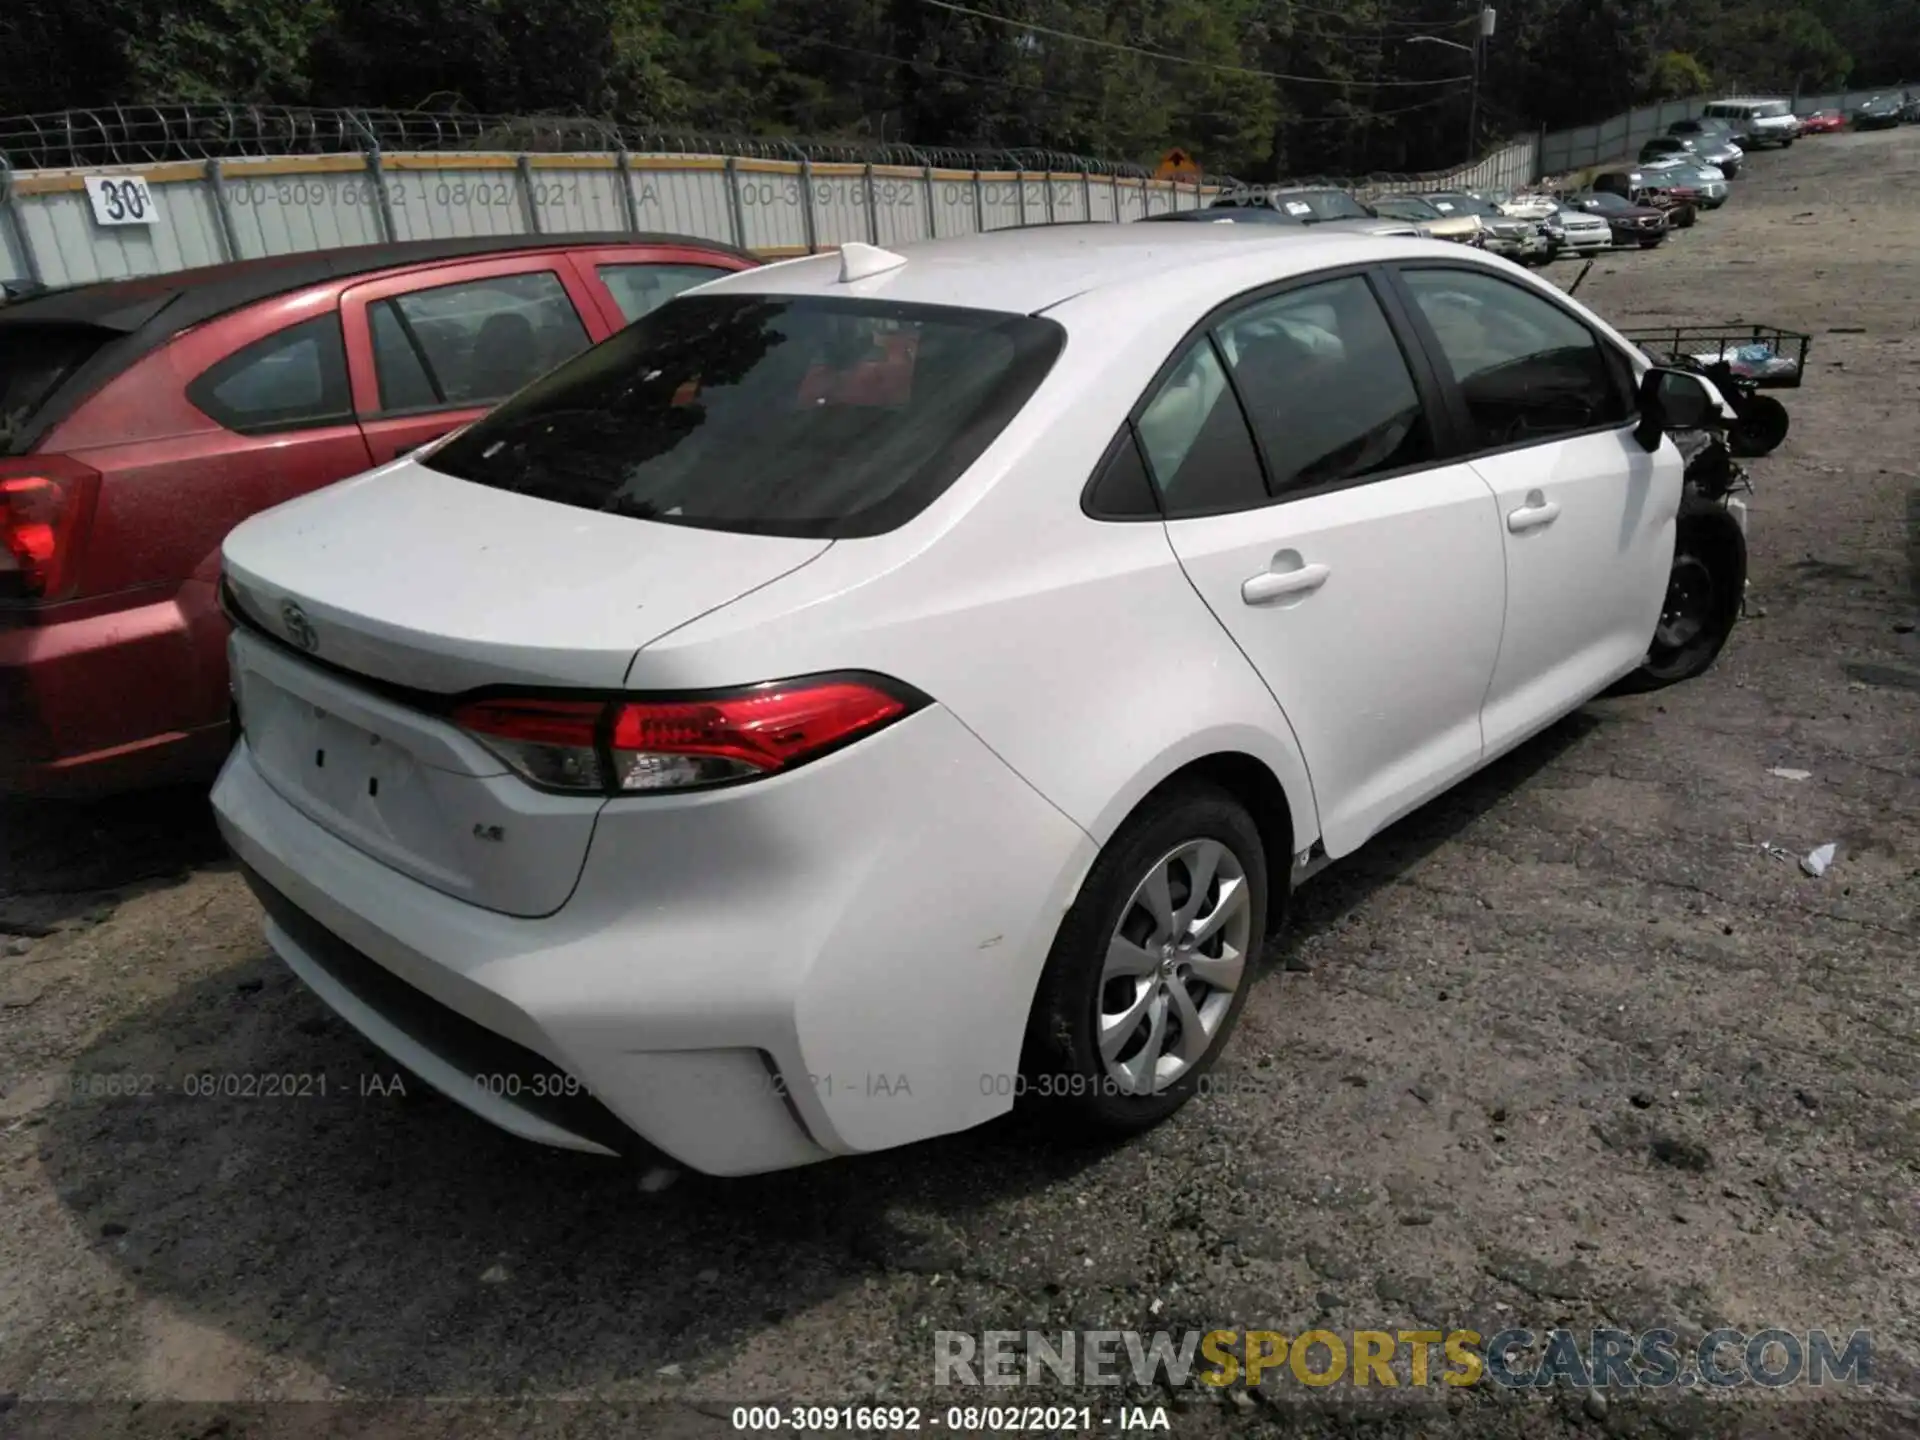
(142,313)
(191,296)
(1030,271)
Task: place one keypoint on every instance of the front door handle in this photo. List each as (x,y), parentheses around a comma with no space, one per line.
(1277,584)
(1536,512)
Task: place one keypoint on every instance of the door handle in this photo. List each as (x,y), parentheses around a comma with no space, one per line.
(1534,514)
(1276,584)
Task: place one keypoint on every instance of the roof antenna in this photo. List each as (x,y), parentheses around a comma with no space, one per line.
(858,261)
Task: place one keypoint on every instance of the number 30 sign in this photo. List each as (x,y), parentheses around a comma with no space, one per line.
(120,201)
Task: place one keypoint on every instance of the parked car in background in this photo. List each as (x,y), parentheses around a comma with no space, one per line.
(1428,219)
(1822,122)
(1521,240)
(1761,120)
(1281,224)
(1712,143)
(1880,112)
(1226,213)
(1308,204)
(1631,223)
(1532,205)
(940,678)
(143,419)
(1707,182)
(1581,232)
(1667,147)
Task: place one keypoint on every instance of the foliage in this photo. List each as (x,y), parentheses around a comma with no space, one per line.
(1123,78)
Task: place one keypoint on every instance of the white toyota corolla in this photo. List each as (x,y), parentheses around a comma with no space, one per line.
(878,685)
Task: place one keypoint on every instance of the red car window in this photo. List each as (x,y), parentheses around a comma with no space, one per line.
(471,342)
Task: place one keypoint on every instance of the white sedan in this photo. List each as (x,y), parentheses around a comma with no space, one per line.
(877,687)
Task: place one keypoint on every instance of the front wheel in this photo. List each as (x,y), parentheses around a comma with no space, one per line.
(1649,244)
(1761,426)
(1704,590)
(1151,966)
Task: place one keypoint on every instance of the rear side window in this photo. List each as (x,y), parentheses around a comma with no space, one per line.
(766,414)
(1326,386)
(1197,442)
(293,379)
(467,344)
(34,360)
(641,289)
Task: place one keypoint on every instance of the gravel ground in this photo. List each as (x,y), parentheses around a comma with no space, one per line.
(1568,1047)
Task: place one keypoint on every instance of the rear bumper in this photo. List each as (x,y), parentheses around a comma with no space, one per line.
(113,701)
(830,962)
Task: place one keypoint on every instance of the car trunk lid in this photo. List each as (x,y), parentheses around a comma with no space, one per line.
(362,619)
(418,579)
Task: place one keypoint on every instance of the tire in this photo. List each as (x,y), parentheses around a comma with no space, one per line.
(1651,244)
(1069,1082)
(1762,425)
(1704,591)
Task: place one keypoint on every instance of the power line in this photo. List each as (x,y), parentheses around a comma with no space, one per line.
(1058,94)
(1036,29)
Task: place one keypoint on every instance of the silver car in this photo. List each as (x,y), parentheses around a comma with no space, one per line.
(1709,180)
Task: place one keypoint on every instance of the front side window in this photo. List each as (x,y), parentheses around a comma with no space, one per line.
(472,342)
(1526,368)
(1326,386)
(641,289)
(293,379)
(766,414)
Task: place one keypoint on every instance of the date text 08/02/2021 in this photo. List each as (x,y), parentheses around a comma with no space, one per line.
(958,1419)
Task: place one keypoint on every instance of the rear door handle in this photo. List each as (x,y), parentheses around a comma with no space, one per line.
(1276,584)
(1533,515)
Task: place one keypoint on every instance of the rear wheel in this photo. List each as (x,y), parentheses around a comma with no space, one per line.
(1761,426)
(1151,967)
(1704,590)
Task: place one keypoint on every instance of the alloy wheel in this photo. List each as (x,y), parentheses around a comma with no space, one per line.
(1174,962)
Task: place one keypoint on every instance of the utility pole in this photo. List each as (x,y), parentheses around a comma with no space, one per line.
(1482,32)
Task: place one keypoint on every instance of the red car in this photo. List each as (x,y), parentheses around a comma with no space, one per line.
(1822,122)
(140,420)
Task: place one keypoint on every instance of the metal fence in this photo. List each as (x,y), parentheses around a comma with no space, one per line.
(226,182)
(1621,137)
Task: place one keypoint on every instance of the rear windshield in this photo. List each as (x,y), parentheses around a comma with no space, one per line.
(766,414)
(34,359)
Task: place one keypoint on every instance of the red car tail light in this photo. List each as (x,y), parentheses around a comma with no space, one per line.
(631,746)
(45,504)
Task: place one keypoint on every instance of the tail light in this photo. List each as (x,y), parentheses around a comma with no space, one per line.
(653,744)
(45,504)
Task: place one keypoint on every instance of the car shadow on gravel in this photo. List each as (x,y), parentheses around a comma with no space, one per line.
(400,1246)
(60,860)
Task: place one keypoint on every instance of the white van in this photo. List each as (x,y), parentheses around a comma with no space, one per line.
(1756,121)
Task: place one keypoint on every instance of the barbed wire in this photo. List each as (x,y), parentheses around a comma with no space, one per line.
(152,134)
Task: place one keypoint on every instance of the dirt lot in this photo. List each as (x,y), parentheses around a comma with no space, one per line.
(1568,1047)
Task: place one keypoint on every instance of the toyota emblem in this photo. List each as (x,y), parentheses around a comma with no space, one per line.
(299,629)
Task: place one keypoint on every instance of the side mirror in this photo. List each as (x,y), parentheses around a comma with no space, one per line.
(1673,400)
